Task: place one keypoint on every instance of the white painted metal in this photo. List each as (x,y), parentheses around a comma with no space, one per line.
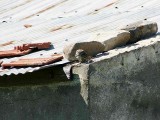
(64,21)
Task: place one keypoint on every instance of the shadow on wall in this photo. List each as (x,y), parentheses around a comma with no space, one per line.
(42,95)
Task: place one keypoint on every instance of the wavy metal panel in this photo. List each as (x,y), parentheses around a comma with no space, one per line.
(64,21)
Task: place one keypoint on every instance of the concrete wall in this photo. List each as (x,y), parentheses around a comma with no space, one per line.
(124,84)
(42,95)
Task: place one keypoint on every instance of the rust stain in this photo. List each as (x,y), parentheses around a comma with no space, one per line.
(48,8)
(7,43)
(61,27)
(29,16)
(39,12)
(97,10)
(6,10)
(22,4)
(109,5)
(27,26)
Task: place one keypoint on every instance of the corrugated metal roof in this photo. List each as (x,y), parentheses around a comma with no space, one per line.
(64,21)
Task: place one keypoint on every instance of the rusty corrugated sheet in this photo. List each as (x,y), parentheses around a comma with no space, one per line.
(64,21)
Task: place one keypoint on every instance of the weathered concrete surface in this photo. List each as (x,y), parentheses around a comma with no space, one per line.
(125,84)
(112,39)
(82,71)
(42,95)
(140,30)
(92,48)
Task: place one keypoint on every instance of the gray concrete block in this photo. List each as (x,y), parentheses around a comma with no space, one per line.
(112,39)
(141,29)
(90,47)
(124,85)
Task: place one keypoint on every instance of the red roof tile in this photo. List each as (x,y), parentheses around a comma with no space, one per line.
(33,61)
(43,45)
(11,53)
(24,49)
